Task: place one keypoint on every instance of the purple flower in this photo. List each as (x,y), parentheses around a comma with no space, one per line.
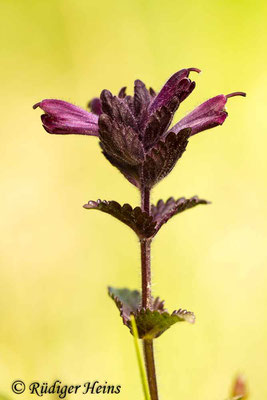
(65,118)
(207,115)
(134,131)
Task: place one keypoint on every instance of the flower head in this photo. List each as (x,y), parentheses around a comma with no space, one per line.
(134,131)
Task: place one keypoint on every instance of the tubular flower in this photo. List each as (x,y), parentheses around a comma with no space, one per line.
(65,118)
(134,131)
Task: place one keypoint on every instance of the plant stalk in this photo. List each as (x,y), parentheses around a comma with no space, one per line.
(146,299)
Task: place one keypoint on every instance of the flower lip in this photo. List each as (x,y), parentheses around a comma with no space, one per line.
(236,94)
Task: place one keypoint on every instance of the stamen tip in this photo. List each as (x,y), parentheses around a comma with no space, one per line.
(194,69)
(236,94)
(36,105)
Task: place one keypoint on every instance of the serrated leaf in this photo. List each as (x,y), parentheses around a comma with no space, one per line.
(141,101)
(131,172)
(151,322)
(118,130)
(127,301)
(161,159)
(158,123)
(120,141)
(117,109)
(163,211)
(141,223)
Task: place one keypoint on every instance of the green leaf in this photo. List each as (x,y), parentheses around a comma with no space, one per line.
(127,301)
(151,322)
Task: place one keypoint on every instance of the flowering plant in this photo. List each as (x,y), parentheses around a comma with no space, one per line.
(135,137)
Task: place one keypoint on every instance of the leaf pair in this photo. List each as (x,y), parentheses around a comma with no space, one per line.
(151,322)
(144,225)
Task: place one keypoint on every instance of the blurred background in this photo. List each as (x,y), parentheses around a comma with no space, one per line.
(57,259)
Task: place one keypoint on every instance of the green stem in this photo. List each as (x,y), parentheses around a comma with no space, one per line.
(140,361)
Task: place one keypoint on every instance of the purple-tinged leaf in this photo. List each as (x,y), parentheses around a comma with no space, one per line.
(118,131)
(120,141)
(163,211)
(158,123)
(151,322)
(141,101)
(140,222)
(131,172)
(117,109)
(152,92)
(161,159)
(122,92)
(65,118)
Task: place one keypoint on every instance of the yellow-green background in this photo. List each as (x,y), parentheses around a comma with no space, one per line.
(57,259)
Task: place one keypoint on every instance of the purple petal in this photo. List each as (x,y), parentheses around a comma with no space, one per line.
(65,118)
(178,85)
(209,114)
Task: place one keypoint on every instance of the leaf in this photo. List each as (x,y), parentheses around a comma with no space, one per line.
(141,101)
(131,172)
(120,141)
(163,211)
(118,130)
(141,223)
(158,123)
(151,322)
(161,159)
(122,92)
(127,301)
(117,109)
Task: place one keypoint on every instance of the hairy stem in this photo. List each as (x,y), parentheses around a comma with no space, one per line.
(150,368)
(146,299)
(146,273)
